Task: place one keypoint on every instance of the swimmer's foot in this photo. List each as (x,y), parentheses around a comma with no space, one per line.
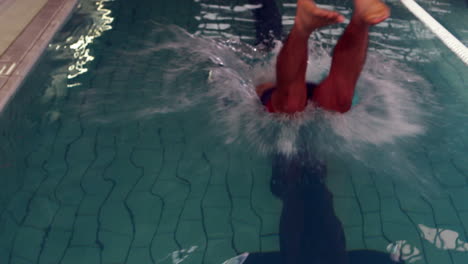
(310,17)
(371,11)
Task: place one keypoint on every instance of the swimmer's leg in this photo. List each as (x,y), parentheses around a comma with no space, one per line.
(268,25)
(290,95)
(337,90)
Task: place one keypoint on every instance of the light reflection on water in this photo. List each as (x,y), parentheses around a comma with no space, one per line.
(443,238)
(76,50)
(79,44)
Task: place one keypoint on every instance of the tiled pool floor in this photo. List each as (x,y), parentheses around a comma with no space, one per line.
(157,190)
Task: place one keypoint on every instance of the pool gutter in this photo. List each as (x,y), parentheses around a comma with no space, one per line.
(21,55)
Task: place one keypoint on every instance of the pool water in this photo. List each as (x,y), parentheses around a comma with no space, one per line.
(126,144)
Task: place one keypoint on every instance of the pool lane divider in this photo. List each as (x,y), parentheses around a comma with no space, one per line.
(442,33)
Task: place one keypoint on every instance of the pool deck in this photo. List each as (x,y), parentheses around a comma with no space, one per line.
(26,27)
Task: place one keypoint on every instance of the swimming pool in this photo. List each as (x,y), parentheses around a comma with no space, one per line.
(116,159)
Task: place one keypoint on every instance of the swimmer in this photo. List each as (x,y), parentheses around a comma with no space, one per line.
(335,93)
(310,231)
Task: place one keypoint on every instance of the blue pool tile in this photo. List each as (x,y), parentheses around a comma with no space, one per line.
(8,229)
(115,217)
(270,243)
(85,230)
(69,192)
(27,243)
(384,185)
(247,225)
(426,219)
(94,184)
(172,133)
(459,257)
(34,176)
(106,137)
(171,160)
(41,212)
(129,134)
(55,246)
(407,232)
(372,224)
(220,164)
(149,137)
(434,255)
(162,247)
(217,250)
(104,157)
(68,131)
(338,180)
(115,246)
(18,205)
(173,191)
(448,175)
(444,212)
(262,200)
(190,233)
(464,220)
(21,260)
(347,210)
(149,162)
(460,164)
(376,243)
(246,236)
(79,255)
(58,167)
(139,255)
(192,210)
(90,204)
(360,176)
(368,198)
(123,178)
(414,203)
(459,197)
(168,223)
(48,187)
(240,181)
(354,238)
(437,156)
(144,233)
(216,222)
(198,178)
(146,209)
(64,218)
(4,254)
(82,150)
(270,223)
(216,196)
(392,213)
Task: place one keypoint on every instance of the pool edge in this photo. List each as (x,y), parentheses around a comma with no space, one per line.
(20,57)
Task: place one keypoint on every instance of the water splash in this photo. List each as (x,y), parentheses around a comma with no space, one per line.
(184,72)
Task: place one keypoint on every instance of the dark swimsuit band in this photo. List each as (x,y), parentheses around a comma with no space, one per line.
(266,96)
